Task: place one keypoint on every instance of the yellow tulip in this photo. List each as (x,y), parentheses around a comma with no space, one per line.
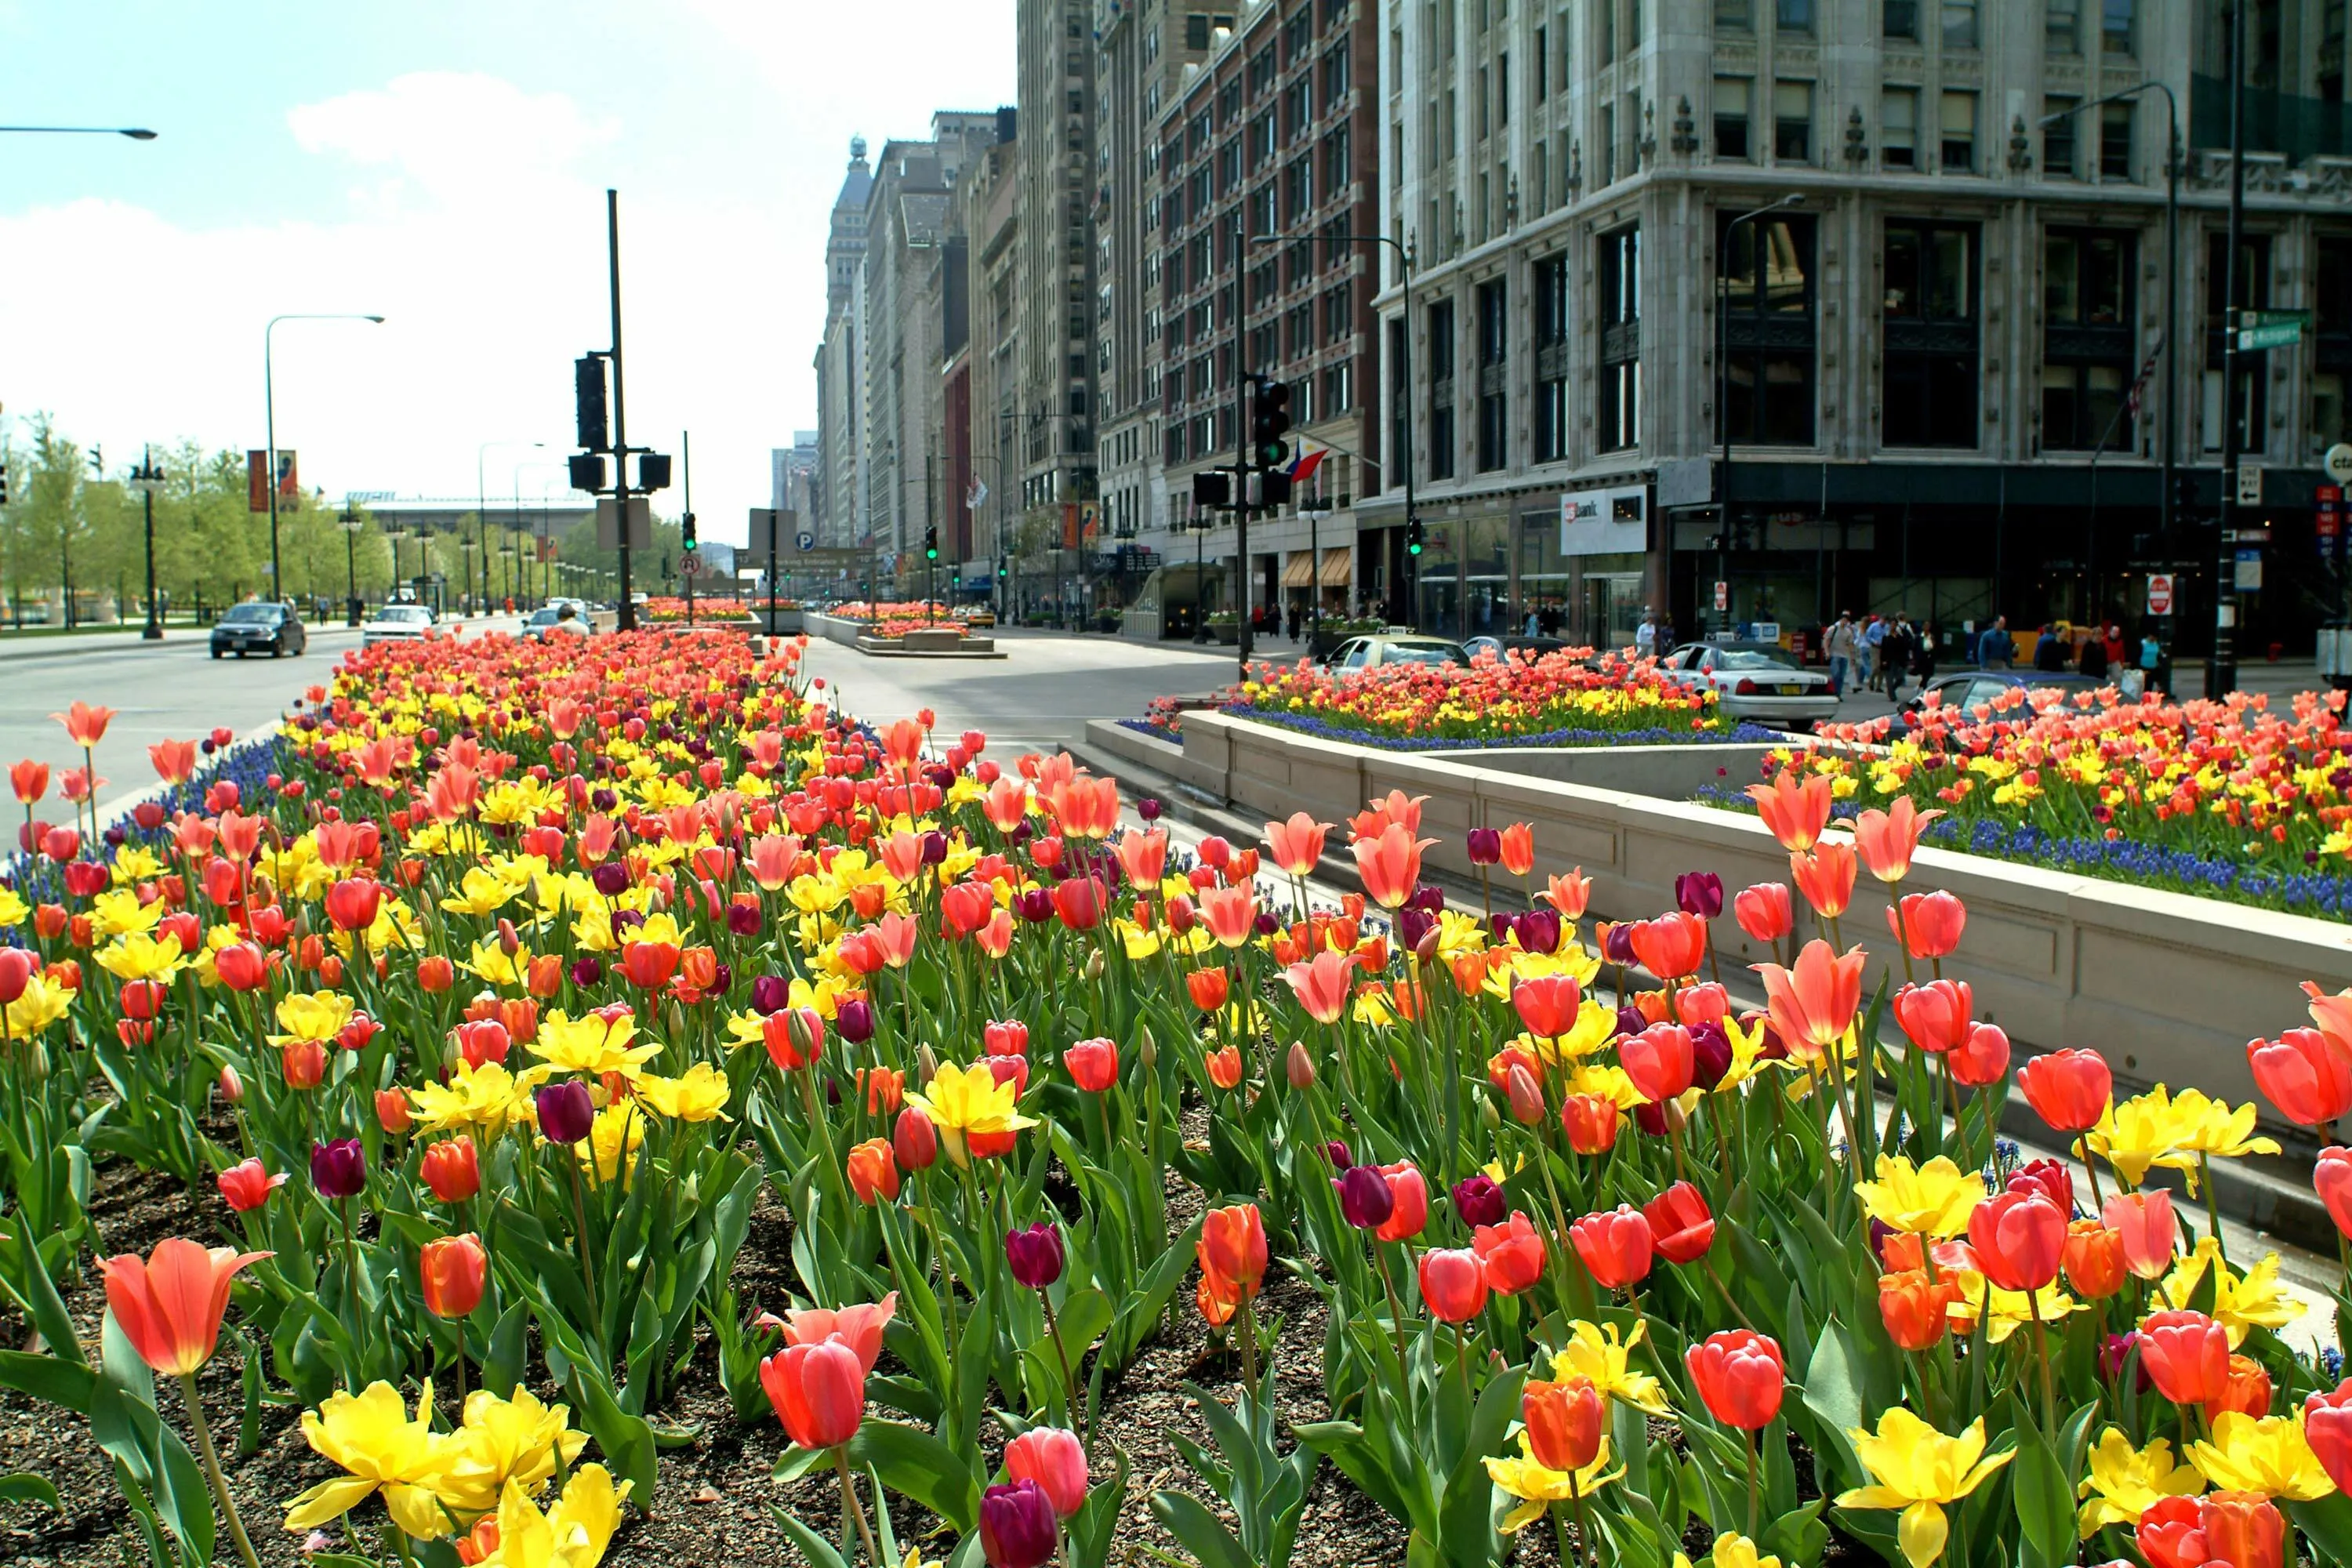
(488,1096)
(962,1100)
(699,1096)
(2142,1132)
(118,910)
(2124,1481)
(1918,1470)
(2240,1301)
(1733,1550)
(44,1002)
(1932,1199)
(1537,1488)
(1596,1354)
(590,1045)
(319,1016)
(2268,1457)
(370,1435)
(503,1441)
(2210,1128)
(137,956)
(572,1534)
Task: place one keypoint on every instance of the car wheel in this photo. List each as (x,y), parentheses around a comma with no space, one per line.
(240,654)
(217,653)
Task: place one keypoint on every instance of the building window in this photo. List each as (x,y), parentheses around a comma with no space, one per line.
(1620,339)
(1960,24)
(1900,20)
(1898,135)
(1957,148)
(1769,329)
(2062,27)
(2118,26)
(1608,144)
(2086,312)
(2058,139)
(1492,302)
(1792,122)
(1929,365)
(1399,405)
(2251,404)
(1737,16)
(1731,118)
(1794,16)
(2332,334)
(2116,140)
(1552,359)
(1440,390)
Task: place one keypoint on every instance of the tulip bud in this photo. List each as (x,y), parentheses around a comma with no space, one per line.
(915,1139)
(232,1088)
(926,1063)
(392,1111)
(1490,1118)
(1147,1049)
(1093,967)
(1301,1067)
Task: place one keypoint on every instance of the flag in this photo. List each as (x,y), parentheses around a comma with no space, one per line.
(1303,467)
(256,480)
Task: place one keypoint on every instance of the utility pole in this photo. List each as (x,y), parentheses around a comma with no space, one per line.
(2221,664)
(686,456)
(628,611)
(1241,448)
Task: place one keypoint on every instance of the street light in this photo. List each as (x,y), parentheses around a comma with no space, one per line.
(146,478)
(482,510)
(269,419)
(351,526)
(1723,383)
(136,132)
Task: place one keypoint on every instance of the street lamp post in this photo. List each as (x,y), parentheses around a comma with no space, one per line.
(136,132)
(351,526)
(270,418)
(144,478)
(1722,386)
(2221,664)
(482,510)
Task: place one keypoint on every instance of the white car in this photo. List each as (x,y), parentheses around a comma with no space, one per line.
(1762,681)
(398,622)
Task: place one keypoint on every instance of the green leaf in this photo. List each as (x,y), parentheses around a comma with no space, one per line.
(920,1466)
(2045,1504)
(1465,1510)
(66,1383)
(2327,1524)
(502,1364)
(815,1547)
(23,1487)
(1831,1394)
(1188,1518)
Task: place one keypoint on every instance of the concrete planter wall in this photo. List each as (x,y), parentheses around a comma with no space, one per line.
(833,628)
(2169,987)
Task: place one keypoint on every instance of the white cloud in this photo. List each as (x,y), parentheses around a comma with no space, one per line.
(452,137)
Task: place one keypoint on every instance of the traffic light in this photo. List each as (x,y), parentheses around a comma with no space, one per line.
(666,566)
(931,544)
(587,472)
(588,403)
(1269,414)
(1212,488)
(686,529)
(1004,569)
(1416,536)
(653,471)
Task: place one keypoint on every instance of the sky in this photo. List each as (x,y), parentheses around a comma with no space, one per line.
(444,165)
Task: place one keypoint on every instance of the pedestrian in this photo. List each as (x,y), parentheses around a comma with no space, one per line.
(1894,655)
(1840,643)
(1866,645)
(2113,640)
(1645,635)
(1923,654)
(2093,660)
(1995,648)
(1533,622)
(1298,612)
(1547,620)
(2151,661)
(2049,654)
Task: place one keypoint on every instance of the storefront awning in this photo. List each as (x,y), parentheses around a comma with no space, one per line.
(1298,572)
(1338,567)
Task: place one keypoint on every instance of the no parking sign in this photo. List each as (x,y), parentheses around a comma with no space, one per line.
(2159,594)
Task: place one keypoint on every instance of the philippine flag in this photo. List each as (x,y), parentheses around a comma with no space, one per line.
(1303,467)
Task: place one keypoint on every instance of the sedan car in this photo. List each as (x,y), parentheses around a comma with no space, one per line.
(260,626)
(1532,646)
(550,620)
(398,622)
(1965,690)
(1762,681)
(1371,652)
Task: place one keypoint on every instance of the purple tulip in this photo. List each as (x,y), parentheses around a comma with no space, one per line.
(2113,1352)
(1480,1201)
(566,1111)
(1034,1254)
(1033,905)
(627,919)
(1266,924)
(1501,924)
(612,879)
(769,993)
(1630,1020)
(743,920)
(1017,1527)
(853,1020)
(1429,900)
(604,800)
(1413,923)
(1538,929)
(1617,945)
(1650,1119)
(586,972)
(1147,808)
(1365,1200)
(1710,1056)
(339,1168)
(1485,846)
(1699,893)
(935,843)
(1337,1153)
(723,979)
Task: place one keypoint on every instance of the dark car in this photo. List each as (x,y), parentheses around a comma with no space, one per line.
(257,626)
(1965,690)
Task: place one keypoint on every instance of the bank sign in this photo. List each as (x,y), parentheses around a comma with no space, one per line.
(1604,522)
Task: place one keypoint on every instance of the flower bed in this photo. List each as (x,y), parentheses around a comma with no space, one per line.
(1556,700)
(530,977)
(708,611)
(2229,800)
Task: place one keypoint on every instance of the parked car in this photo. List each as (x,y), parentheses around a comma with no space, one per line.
(1965,690)
(1758,680)
(1371,652)
(1533,647)
(545,620)
(256,626)
(398,622)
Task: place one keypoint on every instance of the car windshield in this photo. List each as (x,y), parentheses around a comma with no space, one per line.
(545,617)
(1754,658)
(1410,653)
(406,614)
(252,615)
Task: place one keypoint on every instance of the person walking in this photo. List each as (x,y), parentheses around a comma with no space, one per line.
(1839,644)
(1895,656)
(1994,649)
(1645,635)
(2049,653)
(1868,647)
(2093,660)
(1923,654)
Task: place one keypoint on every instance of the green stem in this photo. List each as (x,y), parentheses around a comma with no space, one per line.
(857,1510)
(211,1458)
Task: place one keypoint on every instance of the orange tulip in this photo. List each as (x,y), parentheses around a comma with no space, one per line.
(1547,1004)
(1394,809)
(1914,1306)
(2145,1230)
(1824,877)
(1928,924)
(1672,946)
(1795,809)
(1564,1422)
(2244,1529)
(1233,1248)
(1518,849)
(2069,1090)
(452,1273)
(2094,1259)
(1590,1122)
(1208,987)
(1568,894)
(1296,845)
(1230,913)
(1321,984)
(2246,1390)
(1888,838)
(174,760)
(169,1304)
(872,1172)
(1813,1005)
(453,1169)
(1390,864)
(2306,1073)
(84,724)
(1763,912)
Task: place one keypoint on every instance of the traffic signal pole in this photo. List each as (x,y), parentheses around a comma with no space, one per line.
(1241,448)
(685,454)
(2221,664)
(628,613)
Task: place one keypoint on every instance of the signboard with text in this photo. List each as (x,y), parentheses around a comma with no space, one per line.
(2159,594)
(1604,522)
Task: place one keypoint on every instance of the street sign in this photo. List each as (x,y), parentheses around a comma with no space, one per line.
(2259,331)
(2250,484)
(2339,463)
(2250,571)
(1723,596)
(2327,517)
(804,540)
(2159,594)
(641,524)
(2250,536)
(690,564)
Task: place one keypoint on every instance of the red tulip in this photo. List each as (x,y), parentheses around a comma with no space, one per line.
(1672,946)
(2068,1089)
(247,1185)
(1409,1193)
(1093,1065)
(1681,1225)
(1763,912)
(169,1304)
(1513,1253)
(1982,1059)
(1056,1460)
(1547,1004)
(2186,1355)
(818,1392)
(2019,1239)
(1614,1247)
(452,1272)
(1936,1016)
(2145,1229)
(1590,1122)
(2171,1533)
(1738,1374)
(1453,1284)
(1661,1062)
(1564,1422)
(2244,1529)
(1928,924)
(2305,1073)
(453,1169)
(2327,1427)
